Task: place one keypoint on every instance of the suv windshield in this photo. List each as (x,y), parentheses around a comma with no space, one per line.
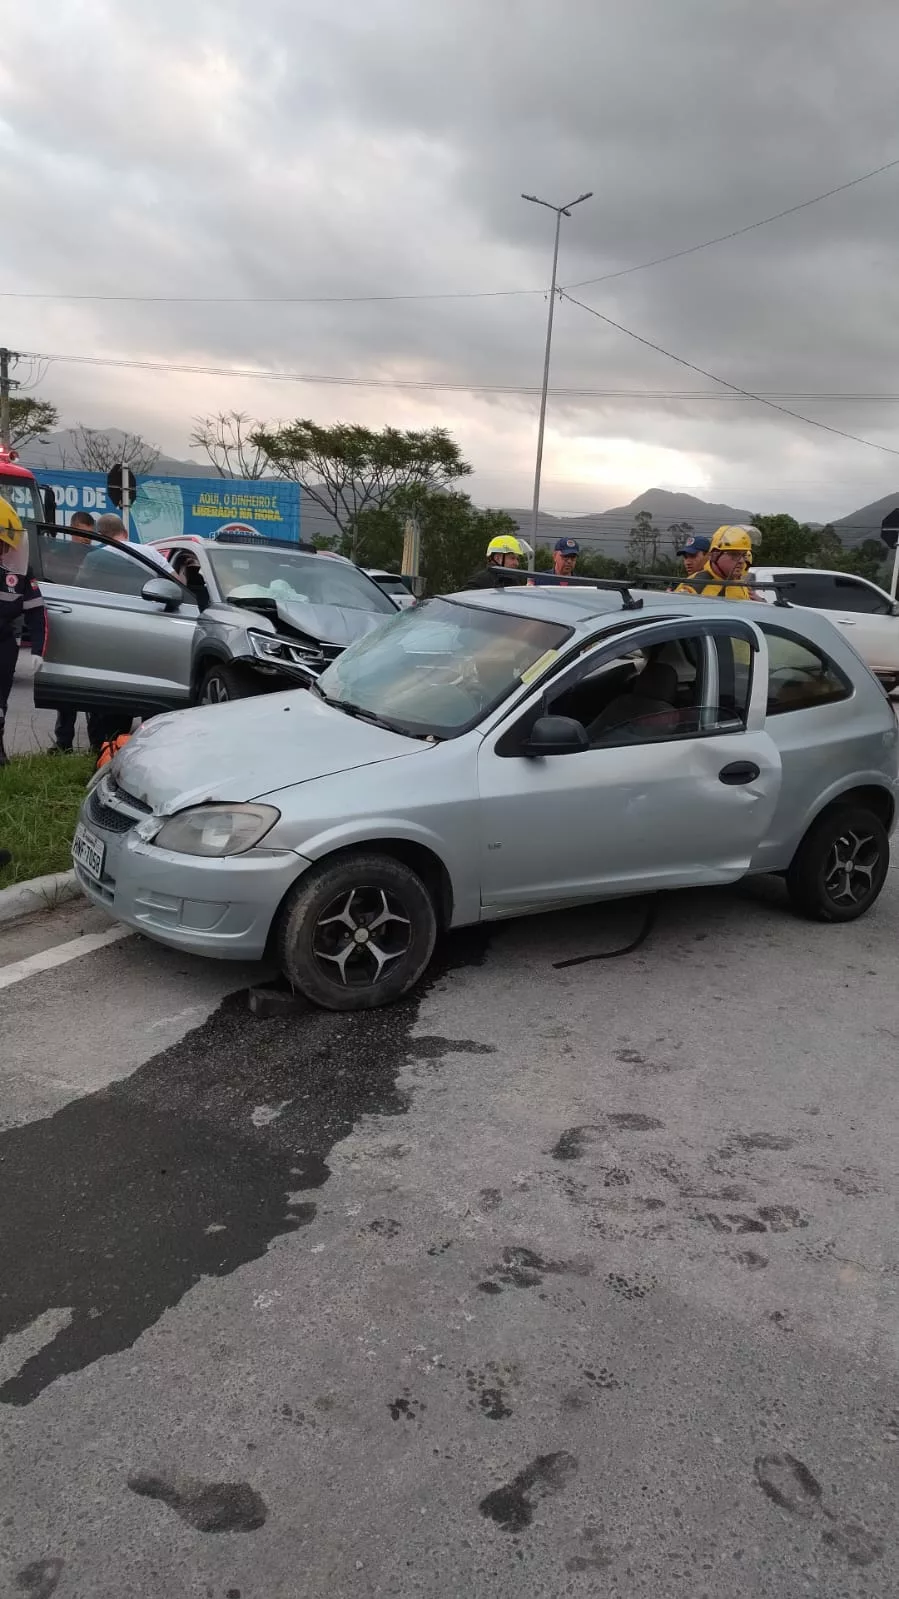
(252,573)
(440,667)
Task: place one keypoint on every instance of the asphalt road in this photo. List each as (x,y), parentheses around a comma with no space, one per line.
(555,1280)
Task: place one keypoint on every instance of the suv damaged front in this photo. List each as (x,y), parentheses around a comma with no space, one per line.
(285,614)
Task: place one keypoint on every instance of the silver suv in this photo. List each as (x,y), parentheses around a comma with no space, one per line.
(246,616)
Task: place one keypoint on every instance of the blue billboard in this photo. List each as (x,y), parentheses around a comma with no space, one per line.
(168,507)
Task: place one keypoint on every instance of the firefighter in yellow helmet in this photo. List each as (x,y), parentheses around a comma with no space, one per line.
(729,559)
(21,605)
(504,555)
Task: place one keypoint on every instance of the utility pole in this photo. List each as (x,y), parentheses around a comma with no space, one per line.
(560,211)
(5,385)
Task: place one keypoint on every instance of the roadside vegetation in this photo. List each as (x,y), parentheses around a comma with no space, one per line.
(39,800)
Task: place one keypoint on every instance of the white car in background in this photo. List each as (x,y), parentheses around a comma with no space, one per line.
(392,584)
(864,612)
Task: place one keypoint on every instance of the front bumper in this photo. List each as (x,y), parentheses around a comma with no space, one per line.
(223,908)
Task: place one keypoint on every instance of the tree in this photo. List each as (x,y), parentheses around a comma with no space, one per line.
(643,544)
(680,532)
(869,561)
(30,420)
(348,469)
(228,440)
(96,451)
(785,542)
(454,535)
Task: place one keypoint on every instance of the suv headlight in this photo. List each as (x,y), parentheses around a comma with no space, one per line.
(271,647)
(216,829)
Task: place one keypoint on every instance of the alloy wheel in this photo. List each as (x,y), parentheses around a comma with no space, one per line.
(849,872)
(215,692)
(360,936)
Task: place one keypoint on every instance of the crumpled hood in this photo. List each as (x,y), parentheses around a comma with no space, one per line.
(331,624)
(248,747)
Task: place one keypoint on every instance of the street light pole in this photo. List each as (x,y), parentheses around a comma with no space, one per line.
(560,211)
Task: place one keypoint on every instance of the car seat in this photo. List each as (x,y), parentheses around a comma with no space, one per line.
(653,693)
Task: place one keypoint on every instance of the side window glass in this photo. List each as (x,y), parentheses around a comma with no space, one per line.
(735,661)
(662,698)
(813,590)
(853,596)
(60,557)
(800,676)
(113,571)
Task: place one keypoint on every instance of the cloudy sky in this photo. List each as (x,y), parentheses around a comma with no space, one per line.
(313,149)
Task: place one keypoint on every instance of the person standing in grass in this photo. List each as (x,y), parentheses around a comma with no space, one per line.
(21,603)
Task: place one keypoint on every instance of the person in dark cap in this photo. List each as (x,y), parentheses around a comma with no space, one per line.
(694,553)
(565,554)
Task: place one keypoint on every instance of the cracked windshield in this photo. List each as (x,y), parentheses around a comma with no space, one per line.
(441,666)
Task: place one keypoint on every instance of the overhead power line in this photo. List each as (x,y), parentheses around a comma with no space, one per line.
(437,386)
(774,405)
(450,294)
(736,233)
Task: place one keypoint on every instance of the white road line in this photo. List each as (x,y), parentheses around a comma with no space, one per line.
(59,955)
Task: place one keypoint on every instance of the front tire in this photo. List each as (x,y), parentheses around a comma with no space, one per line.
(841,865)
(226,681)
(357,933)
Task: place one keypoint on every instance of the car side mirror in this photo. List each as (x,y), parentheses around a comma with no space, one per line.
(164,591)
(894,608)
(556,735)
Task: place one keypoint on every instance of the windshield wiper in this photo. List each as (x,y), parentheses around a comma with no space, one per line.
(363,715)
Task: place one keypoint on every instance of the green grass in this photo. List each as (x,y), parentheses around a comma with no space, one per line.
(39,800)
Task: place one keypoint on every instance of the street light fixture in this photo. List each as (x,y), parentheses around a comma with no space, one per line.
(560,211)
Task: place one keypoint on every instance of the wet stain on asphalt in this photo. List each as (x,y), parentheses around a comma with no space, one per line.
(523,1268)
(208,1506)
(512,1506)
(405,1408)
(572,1143)
(126,1198)
(490,1389)
(790,1485)
(633,1121)
(40,1578)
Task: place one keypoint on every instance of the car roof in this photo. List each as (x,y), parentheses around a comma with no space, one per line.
(582,607)
(189,541)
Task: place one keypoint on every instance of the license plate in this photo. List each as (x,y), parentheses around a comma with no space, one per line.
(88,850)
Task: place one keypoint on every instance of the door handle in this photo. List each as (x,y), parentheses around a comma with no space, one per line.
(739,772)
(54,605)
(848,621)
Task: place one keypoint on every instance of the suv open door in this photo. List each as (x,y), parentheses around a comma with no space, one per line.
(120,630)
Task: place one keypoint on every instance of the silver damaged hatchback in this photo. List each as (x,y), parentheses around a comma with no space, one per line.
(494,754)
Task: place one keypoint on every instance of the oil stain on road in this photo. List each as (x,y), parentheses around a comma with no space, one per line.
(118,1205)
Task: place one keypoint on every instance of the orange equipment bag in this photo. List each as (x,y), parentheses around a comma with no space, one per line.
(109,748)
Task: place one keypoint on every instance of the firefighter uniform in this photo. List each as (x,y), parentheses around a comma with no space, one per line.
(730,541)
(706,581)
(21,605)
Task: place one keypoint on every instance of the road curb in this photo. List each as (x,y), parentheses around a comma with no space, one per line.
(37,894)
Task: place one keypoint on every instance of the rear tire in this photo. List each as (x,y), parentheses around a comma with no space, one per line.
(357,933)
(224,681)
(841,865)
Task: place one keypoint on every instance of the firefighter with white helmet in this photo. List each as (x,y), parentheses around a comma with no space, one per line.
(729,559)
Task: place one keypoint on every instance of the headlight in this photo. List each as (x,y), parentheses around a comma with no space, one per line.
(269,647)
(216,829)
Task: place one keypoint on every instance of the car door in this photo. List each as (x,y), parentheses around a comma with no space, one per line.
(859,608)
(684,803)
(108,647)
